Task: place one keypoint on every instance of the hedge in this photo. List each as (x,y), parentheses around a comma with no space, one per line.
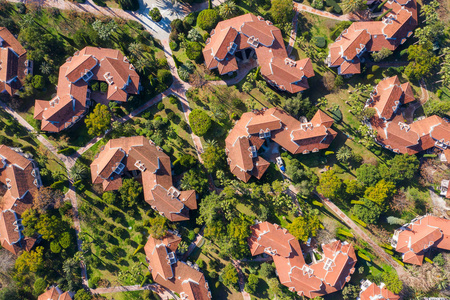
(363,256)
(138,249)
(398,261)
(358,221)
(67,151)
(390,252)
(58,185)
(428,260)
(320,41)
(200,122)
(317,203)
(103,87)
(207,19)
(344,233)
(430,155)
(329,153)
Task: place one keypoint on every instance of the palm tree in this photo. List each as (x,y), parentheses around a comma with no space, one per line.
(135,49)
(344,154)
(353,6)
(228,10)
(78,172)
(45,68)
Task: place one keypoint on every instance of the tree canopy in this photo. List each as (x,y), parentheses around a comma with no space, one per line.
(330,185)
(200,122)
(282,11)
(99,120)
(304,227)
(130,192)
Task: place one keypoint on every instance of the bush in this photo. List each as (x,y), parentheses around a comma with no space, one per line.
(21,9)
(95,86)
(363,256)
(207,19)
(194,51)
(317,4)
(173,45)
(370,76)
(190,20)
(160,106)
(344,233)
(375,68)
(155,14)
(129,4)
(58,185)
(439,93)
(165,77)
(184,125)
(200,122)
(171,116)
(173,100)
(38,82)
(320,41)
(103,87)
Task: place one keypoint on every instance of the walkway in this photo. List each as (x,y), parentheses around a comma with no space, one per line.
(245,295)
(293,36)
(195,243)
(408,114)
(377,249)
(162,292)
(348,17)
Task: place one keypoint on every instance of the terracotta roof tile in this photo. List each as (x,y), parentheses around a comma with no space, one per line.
(374,291)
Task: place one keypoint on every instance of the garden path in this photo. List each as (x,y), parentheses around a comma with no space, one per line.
(293,35)
(363,235)
(245,295)
(195,243)
(408,114)
(347,17)
(162,292)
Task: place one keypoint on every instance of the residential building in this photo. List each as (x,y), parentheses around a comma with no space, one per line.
(325,276)
(141,158)
(20,176)
(414,239)
(372,291)
(183,278)
(346,53)
(73,95)
(393,132)
(54,293)
(238,39)
(258,127)
(14,65)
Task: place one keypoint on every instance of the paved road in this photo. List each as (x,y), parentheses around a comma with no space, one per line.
(377,249)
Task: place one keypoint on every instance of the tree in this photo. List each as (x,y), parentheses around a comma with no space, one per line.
(194,51)
(207,19)
(82,295)
(99,120)
(328,80)
(247,87)
(230,276)
(330,185)
(401,168)
(382,54)
(282,11)
(158,227)
(104,30)
(65,240)
(267,270)
(200,122)
(297,104)
(39,286)
(109,197)
(422,61)
(434,28)
(228,10)
(136,50)
(38,82)
(392,282)
(213,158)
(194,180)
(395,221)
(49,227)
(10,293)
(239,230)
(350,292)
(47,198)
(304,227)
(369,212)
(380,193)
(252,284)
(30,261)
(368,174)
(304,178)
(353,6)
(6,262)
(130,192)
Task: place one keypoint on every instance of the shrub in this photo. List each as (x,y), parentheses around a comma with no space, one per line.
(358,221)
(118,231)
(194,51)
(317,203)
(67,151)
(160,106)
(184,125)
(21,8)
(200,263)
(38,82)
(155,14)
(328,153)
(190,20)
(370,76)
(200,122)
(317,4)
(344,232)
(103,87)
(207,19)
(439,93)
(375,68)
(58,185)
(164,76)
(320,41)
(173,45)
(171,116)
(363,256)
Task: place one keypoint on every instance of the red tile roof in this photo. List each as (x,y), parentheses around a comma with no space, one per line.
(248,31)
(371,291)
(22,179)
(392,130)
(372,36)
(173,274)
(70,102)
(281,128)
(138,153)
(324,277)
(14,66)
(415,238)
(54,293)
